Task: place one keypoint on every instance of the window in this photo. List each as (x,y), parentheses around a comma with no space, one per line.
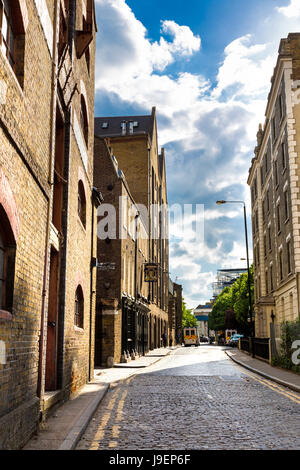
(280,101)
(267,283)
(288,247)
(273,129)
(278,218)
(84,120)
(268,201)
(283,156)
(271,277)
(7,262)
(265,245)
(266,163)
(81,203)
(270,238)
(280,265)
(63,32)
(79,307)
(123,127)
(12,36)
(286,205)
(8,37)
(2,278)
(276,172)
(85,27)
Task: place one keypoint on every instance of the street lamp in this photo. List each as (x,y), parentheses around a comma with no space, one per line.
(248,268)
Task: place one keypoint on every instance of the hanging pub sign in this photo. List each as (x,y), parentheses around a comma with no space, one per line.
(151,272)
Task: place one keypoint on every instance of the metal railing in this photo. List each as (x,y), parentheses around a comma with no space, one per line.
(261,347)
(258,347)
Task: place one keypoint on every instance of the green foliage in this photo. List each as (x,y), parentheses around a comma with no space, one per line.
(188,318)
(235,299)
(216,319)
(290,332)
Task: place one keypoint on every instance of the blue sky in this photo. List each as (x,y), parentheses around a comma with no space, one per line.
(206,65)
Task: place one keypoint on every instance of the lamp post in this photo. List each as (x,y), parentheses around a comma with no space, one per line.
(248,268)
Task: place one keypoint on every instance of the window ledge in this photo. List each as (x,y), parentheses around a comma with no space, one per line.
(81,224)
(5,315)
(12,72)
(78,330)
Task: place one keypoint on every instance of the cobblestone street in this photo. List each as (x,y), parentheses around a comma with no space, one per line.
(196,398)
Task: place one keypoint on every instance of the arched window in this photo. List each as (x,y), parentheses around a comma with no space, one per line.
(84,120)
(7,262)
(12,36)
(79,307)
(2,278)
(81,203)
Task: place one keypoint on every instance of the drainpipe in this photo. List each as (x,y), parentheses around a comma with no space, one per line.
(97,199)
(135,255)
(61,378)
(41,373)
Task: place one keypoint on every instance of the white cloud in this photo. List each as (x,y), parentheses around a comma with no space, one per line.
(248,67)
(208,130)
(124,46)
(292,10)
(184,42)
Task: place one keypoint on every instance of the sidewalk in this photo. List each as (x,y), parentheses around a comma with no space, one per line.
(64,428)
(280,376)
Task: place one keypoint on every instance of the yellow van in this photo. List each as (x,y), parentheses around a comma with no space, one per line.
(191,336)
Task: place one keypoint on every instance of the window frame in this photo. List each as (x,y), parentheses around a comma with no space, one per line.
(16,24)
(79,308)
(84,122)
(9,253)
(81,203)
(5,10)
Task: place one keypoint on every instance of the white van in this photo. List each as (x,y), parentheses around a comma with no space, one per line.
(191,336)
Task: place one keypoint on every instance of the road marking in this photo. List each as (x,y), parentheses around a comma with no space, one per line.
(273,386)
(107,416)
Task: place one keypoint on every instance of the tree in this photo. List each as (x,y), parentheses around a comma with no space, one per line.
(188,319)
(233,305)
(222,304)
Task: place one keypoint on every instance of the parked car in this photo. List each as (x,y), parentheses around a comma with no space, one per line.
(234,340)
(203,339)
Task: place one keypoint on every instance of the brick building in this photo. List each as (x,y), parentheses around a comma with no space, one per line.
(122,320)
(274,182)
(47,208)
(133,140)
(175,313)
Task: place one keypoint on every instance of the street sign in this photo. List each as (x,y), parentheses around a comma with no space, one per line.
(151,272)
